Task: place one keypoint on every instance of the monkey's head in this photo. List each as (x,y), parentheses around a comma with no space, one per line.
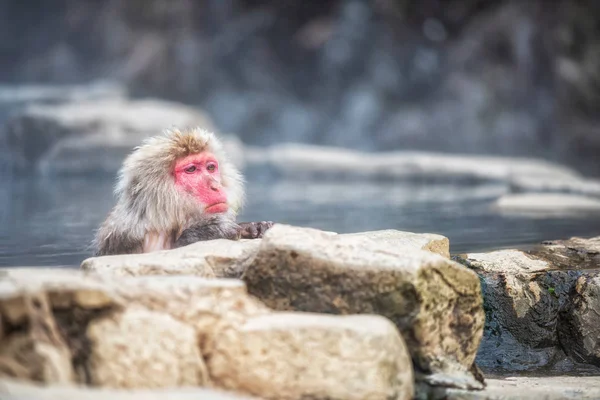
(172,179)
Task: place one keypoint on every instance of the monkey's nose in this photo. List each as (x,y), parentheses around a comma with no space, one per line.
(215,186)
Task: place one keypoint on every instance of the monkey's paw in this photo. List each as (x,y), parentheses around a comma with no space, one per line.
(254,230)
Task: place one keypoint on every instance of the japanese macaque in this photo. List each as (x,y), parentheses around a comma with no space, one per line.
(173,190)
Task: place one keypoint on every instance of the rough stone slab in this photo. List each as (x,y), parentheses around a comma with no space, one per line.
(526,388)
(311,160)
(63,288)
(20,390)
(547,203)
(435,302)
(408,241)
(315,356)
(137,348)
(206,304)
(526,296)
(579,330)
(508,261)
(521,311)
(119,332)
(575,253)
(209,259)
(39,345)
(169,331)
(34,346)
(31,355)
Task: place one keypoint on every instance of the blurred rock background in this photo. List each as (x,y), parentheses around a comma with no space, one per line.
(519,78)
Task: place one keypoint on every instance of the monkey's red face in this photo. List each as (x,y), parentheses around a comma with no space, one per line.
(198,175)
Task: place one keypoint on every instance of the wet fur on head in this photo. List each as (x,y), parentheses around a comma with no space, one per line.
(148,200)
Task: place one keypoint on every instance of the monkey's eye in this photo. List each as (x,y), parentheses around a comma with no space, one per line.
(190,169)
(211,167)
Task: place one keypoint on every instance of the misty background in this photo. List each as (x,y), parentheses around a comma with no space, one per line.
(517,79)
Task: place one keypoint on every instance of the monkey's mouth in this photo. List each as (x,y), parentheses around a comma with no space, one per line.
(216,208)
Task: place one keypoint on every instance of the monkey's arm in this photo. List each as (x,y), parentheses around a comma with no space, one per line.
(254,230)
(117,243)
(222,228)
(214,228)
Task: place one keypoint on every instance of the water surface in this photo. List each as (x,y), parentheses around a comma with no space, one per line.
(47,222)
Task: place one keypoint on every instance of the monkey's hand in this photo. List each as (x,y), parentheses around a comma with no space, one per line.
(214,228)
(254,230)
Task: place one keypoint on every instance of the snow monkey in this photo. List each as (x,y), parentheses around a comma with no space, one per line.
(173,190)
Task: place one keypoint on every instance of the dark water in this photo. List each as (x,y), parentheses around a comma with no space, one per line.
(51,222)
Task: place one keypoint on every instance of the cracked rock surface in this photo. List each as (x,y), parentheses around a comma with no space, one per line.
(166,354)
(435,302)
(216,258)
(540,306)
(227,259)
(165,332)
(408,241)
(350,357)
(579,330)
